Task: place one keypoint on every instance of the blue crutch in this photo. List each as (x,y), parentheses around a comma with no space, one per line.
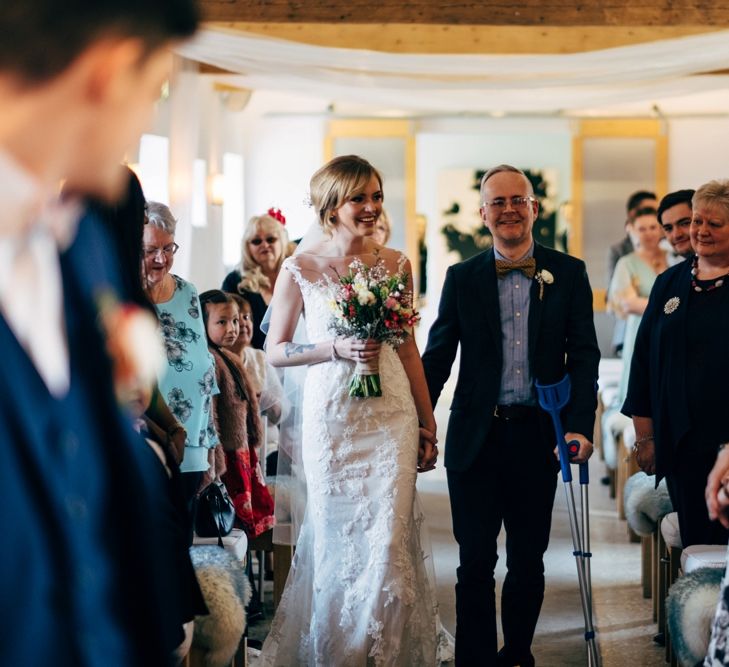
(552,398)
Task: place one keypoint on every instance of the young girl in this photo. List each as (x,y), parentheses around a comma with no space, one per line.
(236,413)
(264,378)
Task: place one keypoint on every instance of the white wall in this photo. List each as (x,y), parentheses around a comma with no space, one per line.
(479,144)
(280,153)
(697,151)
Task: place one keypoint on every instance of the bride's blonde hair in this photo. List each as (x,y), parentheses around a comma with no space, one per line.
(337,181)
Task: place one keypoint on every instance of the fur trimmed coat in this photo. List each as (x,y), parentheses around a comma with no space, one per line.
(240,431)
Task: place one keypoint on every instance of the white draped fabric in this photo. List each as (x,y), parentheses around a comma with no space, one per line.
(458,83)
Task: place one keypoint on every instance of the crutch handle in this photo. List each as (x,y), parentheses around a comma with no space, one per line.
(573,448)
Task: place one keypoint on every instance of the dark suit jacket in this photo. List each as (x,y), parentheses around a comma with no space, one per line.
(657,385)
(87,562)
(561,340)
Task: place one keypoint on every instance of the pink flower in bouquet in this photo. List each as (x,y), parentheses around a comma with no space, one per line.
(370,303)
(392,303)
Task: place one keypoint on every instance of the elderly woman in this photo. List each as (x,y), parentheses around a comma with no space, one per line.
(676,394)
(265,243)
(188,381)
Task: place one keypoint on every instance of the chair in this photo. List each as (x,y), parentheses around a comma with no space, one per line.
(219,637)
(691,605)
(644,506)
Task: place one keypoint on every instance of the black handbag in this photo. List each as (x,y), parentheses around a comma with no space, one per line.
(215,512)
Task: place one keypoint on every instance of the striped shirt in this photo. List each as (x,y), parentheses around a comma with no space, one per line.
(516,382)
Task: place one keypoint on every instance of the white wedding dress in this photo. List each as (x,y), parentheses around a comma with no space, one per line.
(358,592)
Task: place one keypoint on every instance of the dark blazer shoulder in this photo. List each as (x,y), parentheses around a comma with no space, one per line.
(556,257)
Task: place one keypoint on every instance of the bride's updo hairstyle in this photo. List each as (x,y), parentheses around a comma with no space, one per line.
(335,183)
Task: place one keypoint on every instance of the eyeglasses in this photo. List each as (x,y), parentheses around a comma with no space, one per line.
(167,251)
(499,204)
(683,223)
(269,239)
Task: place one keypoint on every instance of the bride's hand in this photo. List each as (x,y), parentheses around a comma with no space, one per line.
(356,349)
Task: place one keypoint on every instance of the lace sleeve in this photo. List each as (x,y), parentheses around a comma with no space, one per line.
(290,265)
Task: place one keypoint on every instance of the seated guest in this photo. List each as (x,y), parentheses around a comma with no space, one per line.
(381,235)
(637,201)
(674,214)
(633,279)
(264,378)
(265,246)
(188,380)
(676,394)
(236,413)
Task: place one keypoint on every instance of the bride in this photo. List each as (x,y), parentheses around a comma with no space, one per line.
(358,592)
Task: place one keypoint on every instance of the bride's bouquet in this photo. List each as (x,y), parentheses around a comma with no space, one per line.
(369,302)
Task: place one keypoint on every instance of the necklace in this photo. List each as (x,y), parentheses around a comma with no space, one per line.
(718,282)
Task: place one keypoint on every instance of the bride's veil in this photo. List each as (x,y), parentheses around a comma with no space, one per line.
(290,486)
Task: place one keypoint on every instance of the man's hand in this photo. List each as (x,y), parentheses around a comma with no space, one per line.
(717,500)
(427,450)
(585,451)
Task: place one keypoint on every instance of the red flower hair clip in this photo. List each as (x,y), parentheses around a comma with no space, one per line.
(276,214)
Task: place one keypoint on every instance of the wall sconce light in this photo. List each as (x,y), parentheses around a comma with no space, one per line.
(216,187)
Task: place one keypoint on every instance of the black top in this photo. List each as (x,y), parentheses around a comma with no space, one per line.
(679,366)
(258,306)
(707,365)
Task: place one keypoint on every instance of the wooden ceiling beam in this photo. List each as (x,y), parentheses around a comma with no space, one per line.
(483,12)
(461,39)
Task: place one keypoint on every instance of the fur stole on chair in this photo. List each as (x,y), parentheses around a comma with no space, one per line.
(645,504)
(226,590)
(690,608)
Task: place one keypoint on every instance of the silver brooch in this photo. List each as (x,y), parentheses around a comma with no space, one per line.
(671,305)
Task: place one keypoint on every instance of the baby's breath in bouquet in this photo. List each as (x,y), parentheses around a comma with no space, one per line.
(369,302)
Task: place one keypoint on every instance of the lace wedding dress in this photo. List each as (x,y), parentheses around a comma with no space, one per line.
(358,592)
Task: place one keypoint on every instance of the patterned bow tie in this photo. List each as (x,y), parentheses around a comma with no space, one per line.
(527,266)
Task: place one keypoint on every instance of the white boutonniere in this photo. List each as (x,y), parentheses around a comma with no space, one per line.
(133,342)
(672,305)
(543,277)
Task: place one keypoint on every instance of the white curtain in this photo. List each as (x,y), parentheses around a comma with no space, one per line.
(462,83)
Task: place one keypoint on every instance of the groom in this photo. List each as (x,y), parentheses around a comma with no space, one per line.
(521,313)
